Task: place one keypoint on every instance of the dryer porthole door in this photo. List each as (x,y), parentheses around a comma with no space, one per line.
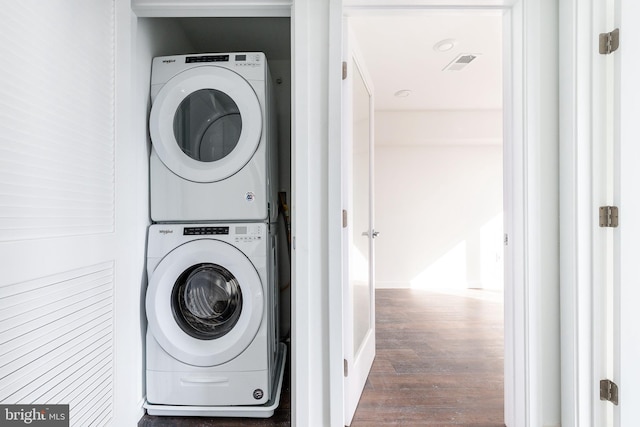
(206,123)
(205,302)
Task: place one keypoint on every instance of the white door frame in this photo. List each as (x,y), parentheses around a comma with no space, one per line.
(530,115)
(583,188)
(586,357)
(627,336)
(577,221)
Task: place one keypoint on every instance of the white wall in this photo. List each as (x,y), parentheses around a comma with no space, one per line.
(149,38)
(72,233)
(438,196)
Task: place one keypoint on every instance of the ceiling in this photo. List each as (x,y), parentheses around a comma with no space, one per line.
(398,52)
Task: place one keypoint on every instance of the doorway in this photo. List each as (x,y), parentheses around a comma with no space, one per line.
(531,196)
(439,203)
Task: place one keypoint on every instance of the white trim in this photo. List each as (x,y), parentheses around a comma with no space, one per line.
(578,89)
(311,314)
(208,8)
(510,123)
(521,220)
(300,257)
(336,320)
(626,372)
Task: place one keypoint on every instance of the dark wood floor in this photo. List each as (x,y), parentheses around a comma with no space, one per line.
(439,362)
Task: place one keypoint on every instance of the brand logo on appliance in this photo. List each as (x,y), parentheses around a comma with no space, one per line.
(165,231)
(168,61)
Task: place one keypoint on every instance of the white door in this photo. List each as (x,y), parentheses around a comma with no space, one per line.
(626,339)
(358,231)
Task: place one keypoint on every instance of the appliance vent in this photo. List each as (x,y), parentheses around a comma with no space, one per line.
(460,62)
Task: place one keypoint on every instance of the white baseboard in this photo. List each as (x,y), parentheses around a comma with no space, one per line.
(393,285)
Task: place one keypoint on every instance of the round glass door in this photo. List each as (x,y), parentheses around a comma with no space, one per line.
(207,301)
(207,125)
(204,302)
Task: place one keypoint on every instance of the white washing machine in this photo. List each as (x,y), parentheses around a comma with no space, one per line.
(212,311)
(213,134)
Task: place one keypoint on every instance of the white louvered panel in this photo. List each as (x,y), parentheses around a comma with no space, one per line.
(56,118)
(27,383)
(26,363)
(100,369)
(56,342)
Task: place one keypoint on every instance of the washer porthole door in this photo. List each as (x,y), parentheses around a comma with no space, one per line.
(205,302)
(206,123)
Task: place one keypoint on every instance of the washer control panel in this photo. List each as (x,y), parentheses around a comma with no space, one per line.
(247,233)
(240,233)
(239,59)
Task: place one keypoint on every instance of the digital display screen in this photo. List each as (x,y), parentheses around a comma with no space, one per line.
(198,231)
(241,57)
(207,58)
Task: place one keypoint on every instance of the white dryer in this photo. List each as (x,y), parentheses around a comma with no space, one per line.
(212,311)
(212,128)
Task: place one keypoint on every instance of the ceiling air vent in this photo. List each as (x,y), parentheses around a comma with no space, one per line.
(460,62)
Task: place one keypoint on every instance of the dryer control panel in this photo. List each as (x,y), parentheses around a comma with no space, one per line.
(205,231)
(206,58)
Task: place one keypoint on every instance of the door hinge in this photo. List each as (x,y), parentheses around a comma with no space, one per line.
(344,218)
(344,70)
(609,42)
(609,391)
(608,216)
(346,368)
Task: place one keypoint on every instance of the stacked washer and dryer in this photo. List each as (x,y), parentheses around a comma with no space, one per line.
(212,302)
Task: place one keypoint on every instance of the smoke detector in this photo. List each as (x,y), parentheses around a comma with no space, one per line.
(445,45)
(460,62)
(402,93)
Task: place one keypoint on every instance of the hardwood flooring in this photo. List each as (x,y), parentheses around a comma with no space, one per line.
(439,362)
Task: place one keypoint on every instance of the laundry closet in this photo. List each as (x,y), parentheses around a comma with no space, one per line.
(170,36)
